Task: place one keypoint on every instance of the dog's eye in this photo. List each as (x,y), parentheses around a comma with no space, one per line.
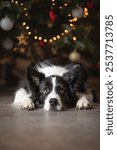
(46,90)
(61,90)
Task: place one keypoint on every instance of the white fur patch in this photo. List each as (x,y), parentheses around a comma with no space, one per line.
(52,70)
(23,98)
(83,103)
(53,94)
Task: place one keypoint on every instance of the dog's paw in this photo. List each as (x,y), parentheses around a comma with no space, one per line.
(28,105)
(83,103)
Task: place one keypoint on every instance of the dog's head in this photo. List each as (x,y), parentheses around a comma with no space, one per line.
(55,92)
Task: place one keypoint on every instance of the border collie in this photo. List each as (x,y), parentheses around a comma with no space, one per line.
(54,85)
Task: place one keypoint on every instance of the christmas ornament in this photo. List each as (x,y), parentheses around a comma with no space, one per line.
(77,12)
(52,15)
(42,43)
(90,4)
(74,56)
(50,24)
(8,44)
(22,39)
(6,23)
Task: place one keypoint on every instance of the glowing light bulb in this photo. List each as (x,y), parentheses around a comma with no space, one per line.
(71,25)
(54,38)
(75,19)
(29,33)
(85,9)
(35,37)
(45,40)
(50,40)
(27,27)
(16,2)
(24,23)
(66,31)
(65,4)
(58,36)
(86,13)
(40,38)
(25,8)
(69,15)
(74,38)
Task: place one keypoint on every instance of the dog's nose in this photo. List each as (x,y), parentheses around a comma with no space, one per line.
(53,102)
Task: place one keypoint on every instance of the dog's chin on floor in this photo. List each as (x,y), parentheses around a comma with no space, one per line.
(54,85)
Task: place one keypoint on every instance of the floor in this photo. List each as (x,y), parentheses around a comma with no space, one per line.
(41,130)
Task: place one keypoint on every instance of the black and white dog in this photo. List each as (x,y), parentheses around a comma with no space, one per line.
(54,85)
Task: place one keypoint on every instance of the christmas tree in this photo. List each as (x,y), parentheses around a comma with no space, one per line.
(37,29)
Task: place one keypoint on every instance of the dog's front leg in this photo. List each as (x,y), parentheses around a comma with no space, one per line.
(84,100)
(23,98)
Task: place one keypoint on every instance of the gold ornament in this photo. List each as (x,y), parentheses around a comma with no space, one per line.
(22,39)
(74,56)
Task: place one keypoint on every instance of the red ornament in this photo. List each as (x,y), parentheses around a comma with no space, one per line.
(52,15)
(42,43)
(90,4)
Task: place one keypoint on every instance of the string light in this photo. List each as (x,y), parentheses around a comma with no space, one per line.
(71,25)
(54,38)
(65,4)
(40,38)
(26,14)
(29,33)
(25,8)
(60,7)
(16,2)
(27,27)
(66,31)
(57,37)
(85,12)
(35,37)
(62,34)
(50,40)
(74,38)
(24,23)
(45,40)
(69,15)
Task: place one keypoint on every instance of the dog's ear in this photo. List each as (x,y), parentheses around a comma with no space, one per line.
(34,76)
(76,76)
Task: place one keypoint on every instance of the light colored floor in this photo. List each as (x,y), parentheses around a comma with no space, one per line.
(40,130)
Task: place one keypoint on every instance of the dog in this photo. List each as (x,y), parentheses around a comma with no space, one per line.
(54,84)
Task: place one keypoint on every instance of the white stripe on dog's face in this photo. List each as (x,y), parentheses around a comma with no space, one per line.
(53,94)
